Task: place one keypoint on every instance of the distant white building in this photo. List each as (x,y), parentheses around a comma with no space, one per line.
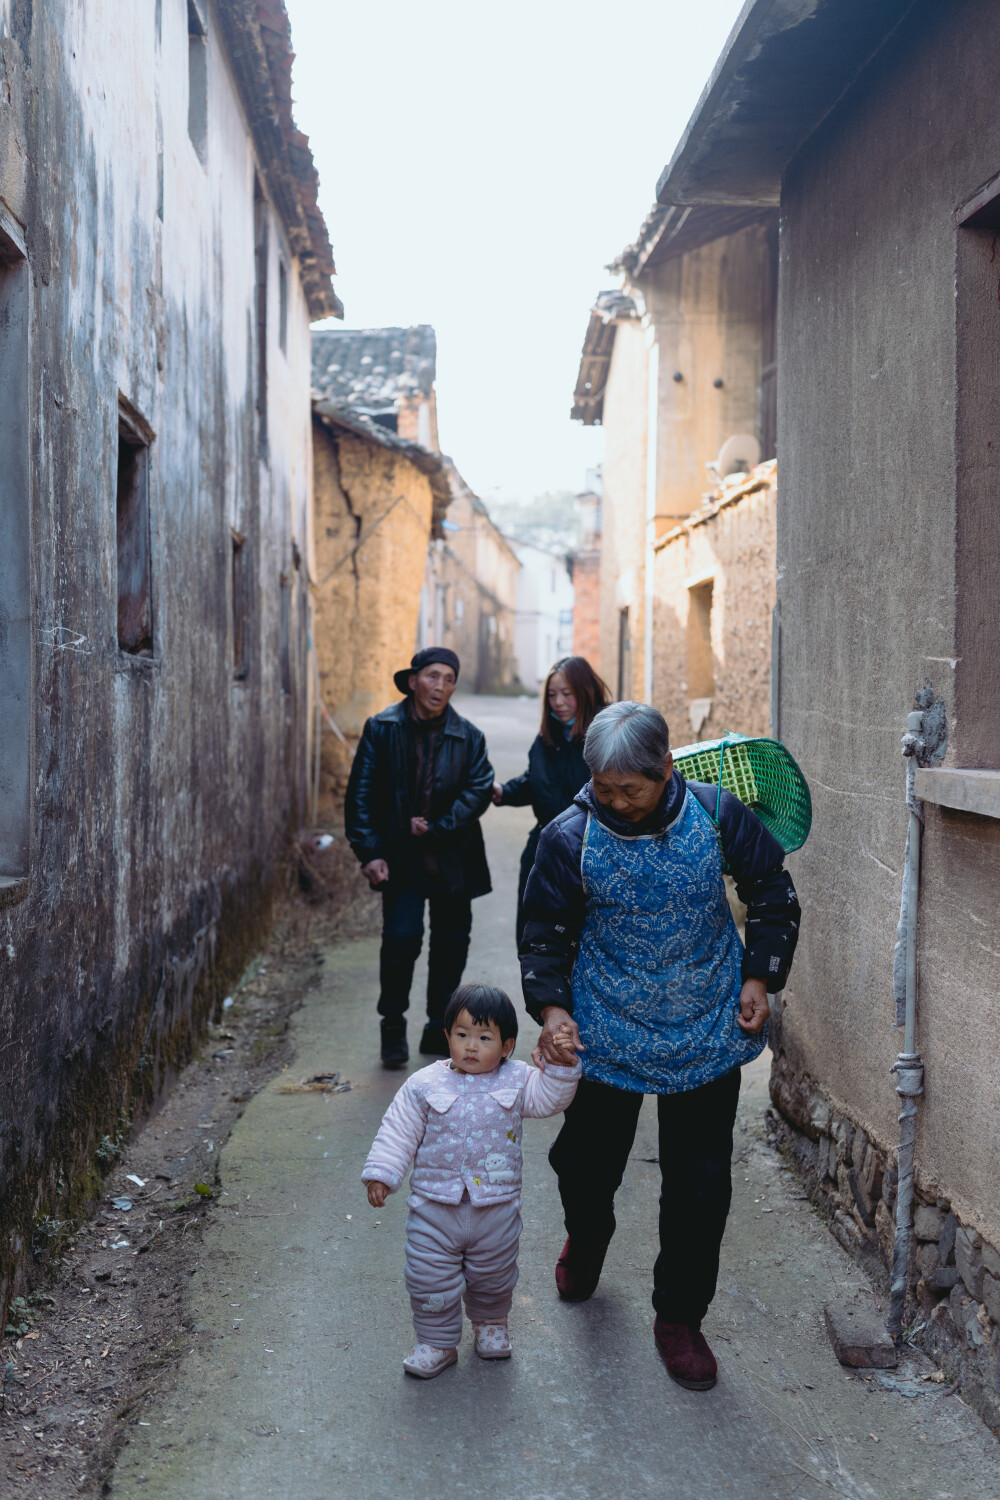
(543,614)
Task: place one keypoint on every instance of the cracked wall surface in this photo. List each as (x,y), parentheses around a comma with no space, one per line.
(869,512)
(162,789)
(367,601)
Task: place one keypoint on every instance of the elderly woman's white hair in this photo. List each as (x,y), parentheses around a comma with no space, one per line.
(627,739)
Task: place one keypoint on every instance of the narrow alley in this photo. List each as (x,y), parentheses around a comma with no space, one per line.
(665,436)
(293,1385)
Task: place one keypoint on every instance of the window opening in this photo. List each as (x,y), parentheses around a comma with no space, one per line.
(135,591)
(977,518)
(285,634)
(15,568)
(700,669)
(260,303)
(624,655)
(282,305)
(198,78)
(241,590)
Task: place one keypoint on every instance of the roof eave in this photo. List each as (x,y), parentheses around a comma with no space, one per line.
(784,67)
(595,359)
(258,44)
(431,465)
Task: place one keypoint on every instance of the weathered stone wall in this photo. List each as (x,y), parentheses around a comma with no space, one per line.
(470,594)
(866,563)
(708,309)
(730,545)
(367,607)
(868,515)
(623,534)
(163,788)
(700,343)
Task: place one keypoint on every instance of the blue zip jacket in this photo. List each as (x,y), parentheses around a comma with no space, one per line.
(555,906)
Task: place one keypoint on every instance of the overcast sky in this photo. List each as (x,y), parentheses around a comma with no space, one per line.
(479,166)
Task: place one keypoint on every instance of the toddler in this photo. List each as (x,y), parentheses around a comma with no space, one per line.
(459,1123)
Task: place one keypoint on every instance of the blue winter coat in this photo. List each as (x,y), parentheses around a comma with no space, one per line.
(555,903)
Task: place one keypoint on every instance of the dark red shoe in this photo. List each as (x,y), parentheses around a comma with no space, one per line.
(686,1355)
(579,1271)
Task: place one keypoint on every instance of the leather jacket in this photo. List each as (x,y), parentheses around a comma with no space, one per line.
(377,813)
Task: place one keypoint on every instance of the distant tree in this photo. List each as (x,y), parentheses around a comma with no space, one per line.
(550,520)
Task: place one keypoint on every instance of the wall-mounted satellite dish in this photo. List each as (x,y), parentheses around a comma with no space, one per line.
(738,455)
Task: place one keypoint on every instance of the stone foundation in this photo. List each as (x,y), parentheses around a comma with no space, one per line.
(953,1301)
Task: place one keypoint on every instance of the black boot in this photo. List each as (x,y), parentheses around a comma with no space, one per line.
(434,1043)
(395,1052)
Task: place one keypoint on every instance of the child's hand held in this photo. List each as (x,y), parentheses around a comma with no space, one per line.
(378,1192)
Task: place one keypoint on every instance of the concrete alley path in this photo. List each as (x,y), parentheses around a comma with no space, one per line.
(294,1386)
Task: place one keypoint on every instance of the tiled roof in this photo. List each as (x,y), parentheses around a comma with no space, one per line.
(373,368)
(610,309)
(669,230)
(259,44)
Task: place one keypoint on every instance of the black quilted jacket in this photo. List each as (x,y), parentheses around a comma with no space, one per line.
(555,905)
(555,774)
(376,810)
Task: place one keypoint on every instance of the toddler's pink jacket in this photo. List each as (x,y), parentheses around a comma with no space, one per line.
(462,1131)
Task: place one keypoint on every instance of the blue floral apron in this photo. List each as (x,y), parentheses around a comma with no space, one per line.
(656,983)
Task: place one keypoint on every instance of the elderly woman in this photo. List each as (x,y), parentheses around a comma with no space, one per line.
(630,939)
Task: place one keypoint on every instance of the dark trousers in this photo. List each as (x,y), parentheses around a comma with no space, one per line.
(696,1150)
(402,939)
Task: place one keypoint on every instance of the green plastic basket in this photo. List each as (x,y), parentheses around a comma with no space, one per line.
(764,777)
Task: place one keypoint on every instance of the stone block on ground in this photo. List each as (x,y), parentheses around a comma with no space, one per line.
(969,1259)
(946,1240)
(991,1296)
(928,1222)
(861,1196)
(859,1336)
(927,1258)
(886,1229)
(859,1148)
(991,1260)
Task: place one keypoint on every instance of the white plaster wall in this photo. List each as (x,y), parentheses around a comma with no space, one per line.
(544,594)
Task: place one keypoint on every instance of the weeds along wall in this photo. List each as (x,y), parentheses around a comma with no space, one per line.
(887,417)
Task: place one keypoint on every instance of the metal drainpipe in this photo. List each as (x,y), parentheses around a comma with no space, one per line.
(908,1067)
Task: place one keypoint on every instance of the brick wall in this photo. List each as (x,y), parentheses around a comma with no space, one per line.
(587,609)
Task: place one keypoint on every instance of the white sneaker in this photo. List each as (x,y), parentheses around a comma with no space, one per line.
(425,1361)
(492,1340)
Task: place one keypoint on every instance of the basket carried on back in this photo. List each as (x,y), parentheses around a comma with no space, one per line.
(764,777)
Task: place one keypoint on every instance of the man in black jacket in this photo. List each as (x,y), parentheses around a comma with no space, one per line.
(420,782)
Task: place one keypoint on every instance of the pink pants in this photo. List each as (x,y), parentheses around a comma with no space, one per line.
(455,1248)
